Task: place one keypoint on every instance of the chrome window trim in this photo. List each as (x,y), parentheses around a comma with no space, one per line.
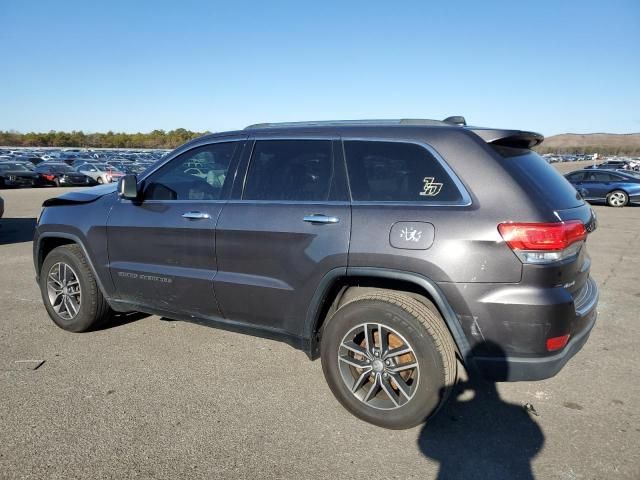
(291,202)
(465,201)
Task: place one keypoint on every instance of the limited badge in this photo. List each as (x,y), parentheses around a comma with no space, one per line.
(431,188)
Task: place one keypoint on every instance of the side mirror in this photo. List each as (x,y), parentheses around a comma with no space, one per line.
(128,187)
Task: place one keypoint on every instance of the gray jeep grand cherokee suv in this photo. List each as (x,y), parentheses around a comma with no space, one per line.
(390,249)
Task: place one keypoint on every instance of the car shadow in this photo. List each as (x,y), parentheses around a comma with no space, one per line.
(478,435)
(118,319)
(16,230)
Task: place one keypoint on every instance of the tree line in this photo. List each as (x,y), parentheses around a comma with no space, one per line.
(154,139)
(174,138)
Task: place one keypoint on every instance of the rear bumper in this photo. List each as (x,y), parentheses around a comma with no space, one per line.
(507,326)
(513,369)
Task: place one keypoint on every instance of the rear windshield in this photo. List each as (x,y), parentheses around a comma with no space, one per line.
(532,171)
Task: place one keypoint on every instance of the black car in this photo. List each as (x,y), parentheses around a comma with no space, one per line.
(389,249)
(61,175)
(14,174)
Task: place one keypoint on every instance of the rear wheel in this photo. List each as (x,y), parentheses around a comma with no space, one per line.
(100,181)
(70,292)
(617,198)
(388,359)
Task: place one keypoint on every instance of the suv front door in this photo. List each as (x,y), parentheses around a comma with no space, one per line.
(283,233)
(162,248)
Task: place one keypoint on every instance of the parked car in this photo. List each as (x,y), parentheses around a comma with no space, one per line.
(611,186)
(389,249)
(612,165)
(100,172)
(26,164)
(61,175)
(14,174)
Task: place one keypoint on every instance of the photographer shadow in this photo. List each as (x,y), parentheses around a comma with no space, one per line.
(477,435)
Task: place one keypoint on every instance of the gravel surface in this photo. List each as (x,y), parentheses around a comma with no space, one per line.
(153,398)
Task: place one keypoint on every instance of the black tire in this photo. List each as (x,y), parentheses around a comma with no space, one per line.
(617,198)
(93,309)
(424,331)
(100,181)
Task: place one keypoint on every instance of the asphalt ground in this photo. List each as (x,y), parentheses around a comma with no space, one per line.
(153,398)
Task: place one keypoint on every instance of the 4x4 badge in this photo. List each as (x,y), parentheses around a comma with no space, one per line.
(431,188)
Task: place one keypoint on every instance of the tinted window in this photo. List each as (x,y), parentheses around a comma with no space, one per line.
(529,169)
(290,170)
(400,172)
(576,177)
(599,177)
(198,174)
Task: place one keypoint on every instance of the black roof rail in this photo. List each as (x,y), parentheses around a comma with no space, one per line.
(346,123)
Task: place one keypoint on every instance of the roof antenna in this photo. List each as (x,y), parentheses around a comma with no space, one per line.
(456,120)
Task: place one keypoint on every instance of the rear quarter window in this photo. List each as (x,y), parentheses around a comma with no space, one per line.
(531,171)
(382,171)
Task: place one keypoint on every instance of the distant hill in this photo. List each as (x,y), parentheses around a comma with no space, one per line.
(605,143)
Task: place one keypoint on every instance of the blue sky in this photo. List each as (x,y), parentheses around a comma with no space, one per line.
(550,66)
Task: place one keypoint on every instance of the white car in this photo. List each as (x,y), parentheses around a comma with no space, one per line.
(100,172)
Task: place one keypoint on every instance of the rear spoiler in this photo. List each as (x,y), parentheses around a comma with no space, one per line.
(508,138)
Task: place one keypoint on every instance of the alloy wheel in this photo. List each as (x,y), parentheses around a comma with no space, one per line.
(63,290)
(617,199)
(378,366)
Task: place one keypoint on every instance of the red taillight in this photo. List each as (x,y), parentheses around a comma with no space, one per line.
(557,343)
(542,236)
(49,177)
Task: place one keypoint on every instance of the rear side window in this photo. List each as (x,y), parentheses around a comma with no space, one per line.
(397,172)
(291,170)
(532,171)
(598,177)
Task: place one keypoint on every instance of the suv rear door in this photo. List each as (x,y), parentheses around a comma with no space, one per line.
(283,232)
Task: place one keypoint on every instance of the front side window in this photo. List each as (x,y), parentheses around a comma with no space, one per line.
(292,170)
(397,172)
(575,177)
(198,174)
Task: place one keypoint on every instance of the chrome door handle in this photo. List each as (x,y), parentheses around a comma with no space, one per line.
(196,215)
(320,219)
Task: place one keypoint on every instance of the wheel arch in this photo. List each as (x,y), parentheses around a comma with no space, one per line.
(48,241)
(334,285)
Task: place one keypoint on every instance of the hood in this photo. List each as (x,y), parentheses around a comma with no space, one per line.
(85,196)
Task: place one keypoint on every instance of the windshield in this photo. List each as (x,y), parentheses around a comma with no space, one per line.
(61,168)
(14,167)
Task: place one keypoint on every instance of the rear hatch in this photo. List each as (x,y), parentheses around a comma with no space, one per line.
(549,189)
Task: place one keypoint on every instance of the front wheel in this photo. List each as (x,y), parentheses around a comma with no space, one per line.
(388,359)
(70,292)
(617,198)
